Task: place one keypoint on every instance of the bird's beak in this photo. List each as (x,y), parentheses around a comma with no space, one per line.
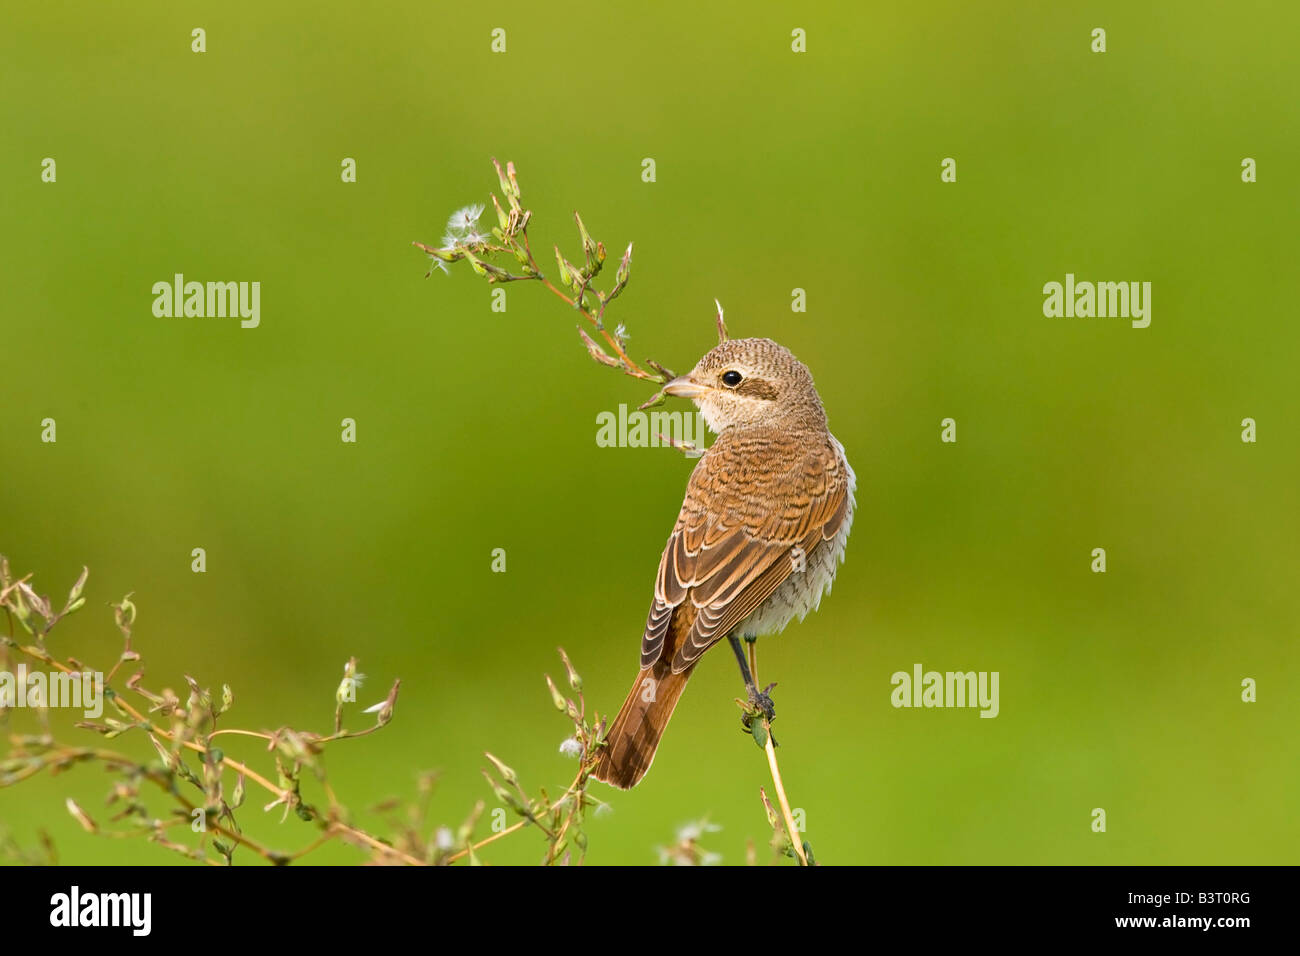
(683,387)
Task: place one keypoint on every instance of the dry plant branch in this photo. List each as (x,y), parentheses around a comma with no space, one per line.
(199,796)
(508,240)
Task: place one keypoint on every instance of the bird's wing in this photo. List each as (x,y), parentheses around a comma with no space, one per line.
(748,505)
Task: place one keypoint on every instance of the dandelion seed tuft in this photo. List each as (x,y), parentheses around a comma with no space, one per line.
(465,219)
(693,831)
(444,840)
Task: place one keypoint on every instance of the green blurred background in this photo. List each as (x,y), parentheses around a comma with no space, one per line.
(476,430)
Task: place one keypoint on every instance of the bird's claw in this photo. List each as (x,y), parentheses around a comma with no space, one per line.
(759,709)
(762,703)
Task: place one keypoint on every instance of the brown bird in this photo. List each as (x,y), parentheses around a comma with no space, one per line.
(759,537)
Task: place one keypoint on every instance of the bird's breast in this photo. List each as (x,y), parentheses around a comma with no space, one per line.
(802,592)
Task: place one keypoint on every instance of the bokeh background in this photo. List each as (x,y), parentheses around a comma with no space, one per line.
(476,430)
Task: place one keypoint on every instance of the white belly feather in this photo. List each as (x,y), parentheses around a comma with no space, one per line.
(802,591)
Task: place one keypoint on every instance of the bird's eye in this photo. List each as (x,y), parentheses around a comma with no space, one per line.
(731,379)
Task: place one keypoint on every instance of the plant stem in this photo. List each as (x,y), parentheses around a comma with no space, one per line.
(780,795)
(788,817)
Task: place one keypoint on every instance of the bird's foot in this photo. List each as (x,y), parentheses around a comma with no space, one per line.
(761,702)
(757,714)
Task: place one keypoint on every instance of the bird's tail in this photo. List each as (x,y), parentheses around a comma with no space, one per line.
(633,738)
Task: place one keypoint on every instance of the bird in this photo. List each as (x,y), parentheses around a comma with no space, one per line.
(762,530)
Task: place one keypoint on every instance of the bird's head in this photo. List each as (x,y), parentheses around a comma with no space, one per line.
(745,382)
